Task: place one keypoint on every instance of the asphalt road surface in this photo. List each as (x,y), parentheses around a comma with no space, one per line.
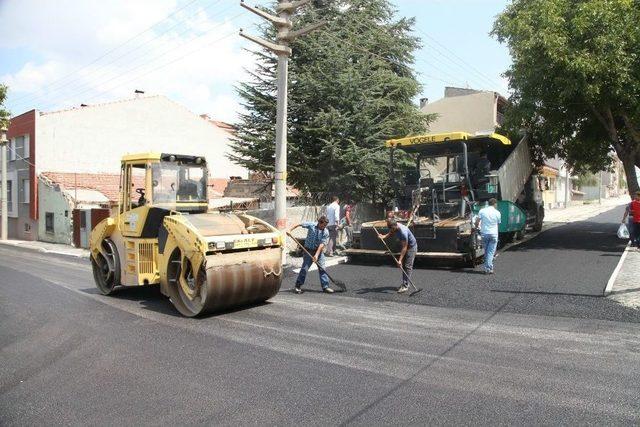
(71,356)
(562,271)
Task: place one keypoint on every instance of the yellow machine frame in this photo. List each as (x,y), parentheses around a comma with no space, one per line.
(145,259)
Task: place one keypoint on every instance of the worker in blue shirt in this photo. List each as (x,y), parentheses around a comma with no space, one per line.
(408,252)
(316,241)
(489,219)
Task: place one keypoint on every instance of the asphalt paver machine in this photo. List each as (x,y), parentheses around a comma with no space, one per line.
(163,233)
(452,176)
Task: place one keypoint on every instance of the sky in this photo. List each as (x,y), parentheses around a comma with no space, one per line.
(60,54)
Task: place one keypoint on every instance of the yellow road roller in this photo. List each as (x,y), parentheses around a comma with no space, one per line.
(163,233)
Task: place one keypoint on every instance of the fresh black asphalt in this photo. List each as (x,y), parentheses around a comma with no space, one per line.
(562,271)
(70,356)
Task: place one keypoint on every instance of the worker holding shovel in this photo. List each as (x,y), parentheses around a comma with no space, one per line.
(408,252)
(314,244)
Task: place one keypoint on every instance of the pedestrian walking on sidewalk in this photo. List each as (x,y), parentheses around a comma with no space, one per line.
(408,252)
(333,215)
(488,219)
(316,241)
(633,213)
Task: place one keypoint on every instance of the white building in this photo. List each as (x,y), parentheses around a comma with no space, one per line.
(93,138)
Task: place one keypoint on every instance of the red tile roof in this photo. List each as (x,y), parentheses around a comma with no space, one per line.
(105,183)
(222,125)
(225,126)
(109,184)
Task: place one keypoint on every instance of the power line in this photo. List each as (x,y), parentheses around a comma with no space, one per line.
(455,68)
(167,64)
(155,69)
(471,67)
(115,48)
(452,70)
(114,60)
(447,75)
(19,156)
(232,33)
(90,85)
(388,60)
(117,75)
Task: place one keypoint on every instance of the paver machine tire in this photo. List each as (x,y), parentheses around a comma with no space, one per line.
(106,268)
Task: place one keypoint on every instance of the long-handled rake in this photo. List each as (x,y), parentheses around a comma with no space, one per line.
(340,284)
(416,289)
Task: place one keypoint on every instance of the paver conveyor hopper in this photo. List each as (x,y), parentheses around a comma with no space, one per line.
(450,177)
(163,234)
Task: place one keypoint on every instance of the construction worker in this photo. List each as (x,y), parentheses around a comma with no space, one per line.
(489,218)
(316,241)
(633,212)
(408,252)
(333,215)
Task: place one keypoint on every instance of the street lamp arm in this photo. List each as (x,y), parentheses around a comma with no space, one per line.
(282,22)
(290,6)
(277,48)
(307,29)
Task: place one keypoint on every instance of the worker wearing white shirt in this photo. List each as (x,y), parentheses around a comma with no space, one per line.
(489,219)
(333,214)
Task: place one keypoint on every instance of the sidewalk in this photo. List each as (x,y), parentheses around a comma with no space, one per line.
(624,285)
(582,212)
(48,248)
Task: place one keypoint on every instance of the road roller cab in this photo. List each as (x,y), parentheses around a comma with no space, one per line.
(162,233)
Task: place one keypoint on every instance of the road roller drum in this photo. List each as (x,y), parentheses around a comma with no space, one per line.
(162,233)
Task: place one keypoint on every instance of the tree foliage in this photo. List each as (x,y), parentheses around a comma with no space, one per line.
(576,78)
(4,113)
(351,87)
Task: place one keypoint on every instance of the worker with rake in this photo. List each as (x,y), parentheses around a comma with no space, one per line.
(314,244)
(408,252)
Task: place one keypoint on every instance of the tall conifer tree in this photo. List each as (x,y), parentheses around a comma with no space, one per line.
(351,87)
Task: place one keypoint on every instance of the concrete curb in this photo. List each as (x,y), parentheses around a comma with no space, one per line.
(616,271)
(46,251)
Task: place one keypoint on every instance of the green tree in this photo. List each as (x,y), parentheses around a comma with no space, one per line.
(575,78)
(4,113)
(351,87)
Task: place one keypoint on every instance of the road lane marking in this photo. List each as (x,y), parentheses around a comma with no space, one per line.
(614,275)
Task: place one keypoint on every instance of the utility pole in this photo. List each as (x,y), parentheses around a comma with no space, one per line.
(567,185)
(4,223)
(281,48)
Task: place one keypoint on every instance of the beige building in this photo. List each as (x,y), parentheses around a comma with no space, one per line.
(475,111)
(465,110)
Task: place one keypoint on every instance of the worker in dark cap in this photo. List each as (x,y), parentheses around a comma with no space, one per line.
(316,241)
(408,252)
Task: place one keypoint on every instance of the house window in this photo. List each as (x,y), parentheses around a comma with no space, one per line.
(12,149)
(25,190)
(49,222)
(19,147)
(9,194)
(25,146)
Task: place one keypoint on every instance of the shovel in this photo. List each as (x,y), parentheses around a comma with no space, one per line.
(416,289)
(338,283)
